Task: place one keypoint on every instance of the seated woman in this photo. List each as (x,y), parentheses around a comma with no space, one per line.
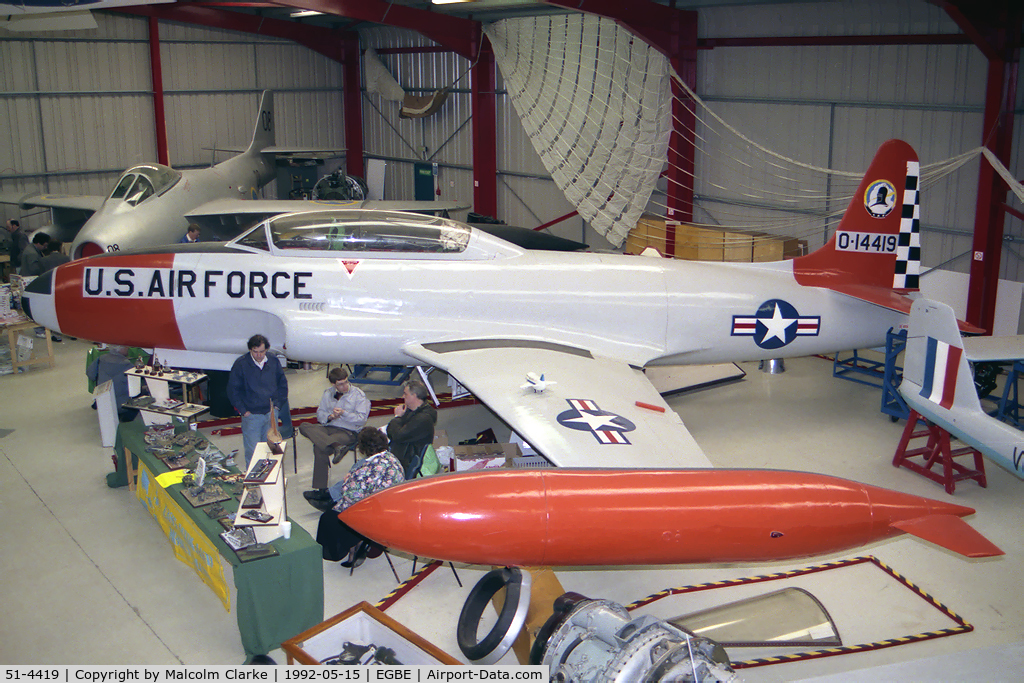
(378,471)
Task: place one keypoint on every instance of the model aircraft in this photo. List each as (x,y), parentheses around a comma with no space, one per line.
(152,204)
(536,383)
(938,384)
(400,289)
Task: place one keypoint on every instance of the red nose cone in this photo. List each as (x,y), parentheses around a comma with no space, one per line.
(87,249)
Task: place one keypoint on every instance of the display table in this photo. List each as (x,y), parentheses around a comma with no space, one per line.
(16,326)
(276,597)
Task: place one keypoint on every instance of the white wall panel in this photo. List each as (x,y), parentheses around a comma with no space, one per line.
(850,17)
(78,110)
(208,66)
(806,101)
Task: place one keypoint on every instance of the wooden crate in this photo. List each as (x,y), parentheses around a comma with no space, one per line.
(363,622)
(776,248)
(699,244)
(737,247)
(649,232)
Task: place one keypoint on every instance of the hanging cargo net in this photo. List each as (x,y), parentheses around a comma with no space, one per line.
(597,104)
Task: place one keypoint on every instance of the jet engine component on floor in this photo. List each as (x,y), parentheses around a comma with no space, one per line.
(596,640)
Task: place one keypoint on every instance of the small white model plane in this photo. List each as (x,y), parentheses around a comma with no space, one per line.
(402,289)
(938,384)
(538,384)
(152,204)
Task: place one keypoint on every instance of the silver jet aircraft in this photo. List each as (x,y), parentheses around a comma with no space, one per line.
(938,383)
(152,204)
(401,289)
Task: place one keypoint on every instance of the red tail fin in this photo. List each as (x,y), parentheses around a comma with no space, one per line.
(877,243)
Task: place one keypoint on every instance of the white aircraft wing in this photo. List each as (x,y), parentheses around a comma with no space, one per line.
(989,349)
(599,412)
(89,203)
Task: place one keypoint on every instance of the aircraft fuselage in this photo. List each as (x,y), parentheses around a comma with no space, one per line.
(365,308)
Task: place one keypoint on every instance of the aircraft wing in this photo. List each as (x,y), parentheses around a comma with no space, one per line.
(88,203)
(992,349)
(595,412)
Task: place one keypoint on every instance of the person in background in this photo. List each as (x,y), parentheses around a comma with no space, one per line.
(19,240)
(413,425)
(341,414)
(255,381)
(378,471)
(53,256)
(32,256)
(191,236)
(111,366)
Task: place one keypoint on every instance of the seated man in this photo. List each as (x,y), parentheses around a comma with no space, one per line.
(413,425)
(341,414)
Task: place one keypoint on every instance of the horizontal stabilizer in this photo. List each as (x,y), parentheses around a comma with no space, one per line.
(891,299)
(951,533)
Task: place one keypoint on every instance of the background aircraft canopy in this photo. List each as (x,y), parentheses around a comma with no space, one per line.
(141,182)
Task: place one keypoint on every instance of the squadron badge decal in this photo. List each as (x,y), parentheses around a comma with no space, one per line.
(880,198)
(585,416)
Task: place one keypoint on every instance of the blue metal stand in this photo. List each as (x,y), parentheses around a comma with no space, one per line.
(893,404)
(884,374)
(856,368)
(1009,406)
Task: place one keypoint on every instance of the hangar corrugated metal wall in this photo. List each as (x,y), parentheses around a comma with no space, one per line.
(79,107)
(79,104)
(833,105)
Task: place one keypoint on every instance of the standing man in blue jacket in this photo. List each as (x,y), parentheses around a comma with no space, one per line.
(256,379)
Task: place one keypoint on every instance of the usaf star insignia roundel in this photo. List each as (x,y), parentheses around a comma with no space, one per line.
(585,416)
(775,324)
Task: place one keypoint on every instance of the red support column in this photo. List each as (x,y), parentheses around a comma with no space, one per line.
(156,70)
(353,95)
(485,154)
(997,135)
(682,53)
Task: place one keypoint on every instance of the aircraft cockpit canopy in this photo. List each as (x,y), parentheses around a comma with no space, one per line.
(139,183)
(361,231)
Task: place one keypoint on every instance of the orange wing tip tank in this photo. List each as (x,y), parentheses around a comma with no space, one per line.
(638,517)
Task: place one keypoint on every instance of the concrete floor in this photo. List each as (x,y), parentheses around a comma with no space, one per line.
(90,579)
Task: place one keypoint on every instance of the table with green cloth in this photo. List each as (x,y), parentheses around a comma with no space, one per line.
(276,597)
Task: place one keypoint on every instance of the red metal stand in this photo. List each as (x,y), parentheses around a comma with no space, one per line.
(937,452)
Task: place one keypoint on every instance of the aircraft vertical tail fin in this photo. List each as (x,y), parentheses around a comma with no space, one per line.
(935,358)
(263,135)
(877,242)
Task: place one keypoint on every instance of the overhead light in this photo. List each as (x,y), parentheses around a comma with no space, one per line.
(303,13)
(449,2)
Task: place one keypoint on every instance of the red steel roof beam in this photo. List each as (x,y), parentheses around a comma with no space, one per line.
(452,32)
(318,39)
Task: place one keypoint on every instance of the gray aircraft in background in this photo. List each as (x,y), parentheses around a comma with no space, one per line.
(152,204)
